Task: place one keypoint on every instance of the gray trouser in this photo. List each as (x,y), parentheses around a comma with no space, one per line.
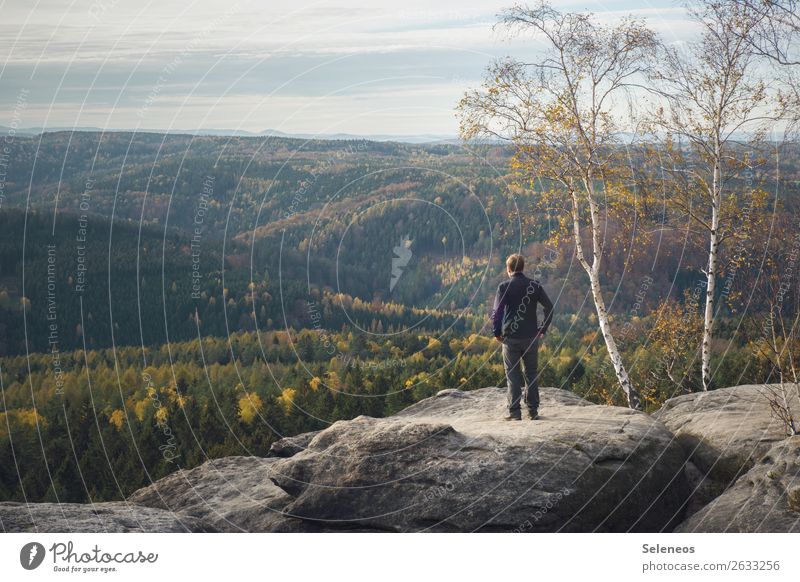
(522,351)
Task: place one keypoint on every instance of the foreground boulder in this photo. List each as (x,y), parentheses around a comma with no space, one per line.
(113,517)
(232,493)
(765,499)
(724,433)
(449,463)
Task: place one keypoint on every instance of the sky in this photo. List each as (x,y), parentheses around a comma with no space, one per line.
(298,66)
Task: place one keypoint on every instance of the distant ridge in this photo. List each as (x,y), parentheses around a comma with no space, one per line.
(414,139)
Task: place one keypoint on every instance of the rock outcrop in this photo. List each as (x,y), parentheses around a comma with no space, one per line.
(448,463)
(232,494)
(112,517)
(765,499)
(716,461)
(724,433)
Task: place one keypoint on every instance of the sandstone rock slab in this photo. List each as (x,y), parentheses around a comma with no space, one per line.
(765,499)
(112,517)
(449,463)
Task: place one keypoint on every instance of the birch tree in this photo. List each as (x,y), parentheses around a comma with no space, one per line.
(714,111)
(777,39)
(778,32)
(562,115)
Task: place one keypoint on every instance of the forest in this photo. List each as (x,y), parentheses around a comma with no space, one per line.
(155,369)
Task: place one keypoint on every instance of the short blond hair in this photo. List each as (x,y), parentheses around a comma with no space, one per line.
(515,263)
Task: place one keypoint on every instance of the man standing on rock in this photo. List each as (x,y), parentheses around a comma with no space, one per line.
(514,324)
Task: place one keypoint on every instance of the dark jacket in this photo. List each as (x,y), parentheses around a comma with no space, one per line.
(514,312)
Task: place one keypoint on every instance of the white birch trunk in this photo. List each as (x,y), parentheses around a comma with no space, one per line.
(708,319)
(625,383)
(593,270)
(711,278)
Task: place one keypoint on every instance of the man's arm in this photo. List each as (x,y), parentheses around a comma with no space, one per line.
(497,312)
(544,300)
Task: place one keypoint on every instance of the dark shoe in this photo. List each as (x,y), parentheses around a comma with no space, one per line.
(533,414)
(513,417)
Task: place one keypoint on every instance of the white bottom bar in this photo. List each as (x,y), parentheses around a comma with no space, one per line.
(354,557)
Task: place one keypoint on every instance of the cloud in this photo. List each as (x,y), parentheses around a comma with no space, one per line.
(103,59)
